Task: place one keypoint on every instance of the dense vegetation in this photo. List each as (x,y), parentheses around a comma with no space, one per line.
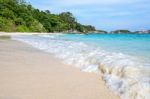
(18,16)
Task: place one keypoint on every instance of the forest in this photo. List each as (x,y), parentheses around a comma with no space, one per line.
(20,16)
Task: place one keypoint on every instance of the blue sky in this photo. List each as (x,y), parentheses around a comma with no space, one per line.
(103,14)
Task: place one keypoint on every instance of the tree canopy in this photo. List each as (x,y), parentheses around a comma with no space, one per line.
(19,16)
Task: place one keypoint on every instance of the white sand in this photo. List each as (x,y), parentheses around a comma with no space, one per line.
(27,73)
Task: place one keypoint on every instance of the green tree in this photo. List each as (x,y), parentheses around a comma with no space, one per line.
(22,28)
(17,15)
(37,27)
(6,25)
(68,18)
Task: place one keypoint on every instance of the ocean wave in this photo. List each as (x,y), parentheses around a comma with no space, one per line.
(124,74)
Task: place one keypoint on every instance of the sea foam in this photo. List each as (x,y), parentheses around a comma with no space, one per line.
(123,74)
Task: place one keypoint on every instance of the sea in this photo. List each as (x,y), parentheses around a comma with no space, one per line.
(122,60)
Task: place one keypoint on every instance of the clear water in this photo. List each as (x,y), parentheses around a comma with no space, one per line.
(122,59)
(137,45)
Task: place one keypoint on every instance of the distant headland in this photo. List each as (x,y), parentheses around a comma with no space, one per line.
(121,31)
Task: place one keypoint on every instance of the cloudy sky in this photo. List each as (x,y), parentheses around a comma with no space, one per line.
(103,14)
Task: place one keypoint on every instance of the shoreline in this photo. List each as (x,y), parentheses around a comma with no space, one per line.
(23,33)
(57,33)
(25,77)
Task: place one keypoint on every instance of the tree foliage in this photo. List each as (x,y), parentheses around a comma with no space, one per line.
(17,15)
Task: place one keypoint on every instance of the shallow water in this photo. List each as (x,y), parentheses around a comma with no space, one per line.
(122,59)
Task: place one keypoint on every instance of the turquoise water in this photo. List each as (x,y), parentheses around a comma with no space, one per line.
(123,60)
(137,45)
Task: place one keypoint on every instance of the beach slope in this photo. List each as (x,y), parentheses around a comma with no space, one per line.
(28,73)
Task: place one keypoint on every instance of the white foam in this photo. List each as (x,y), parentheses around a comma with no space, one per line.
(122,73)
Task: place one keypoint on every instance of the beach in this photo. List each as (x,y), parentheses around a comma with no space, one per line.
(29,73)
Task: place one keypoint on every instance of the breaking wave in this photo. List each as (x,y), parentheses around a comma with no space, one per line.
(124,74)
